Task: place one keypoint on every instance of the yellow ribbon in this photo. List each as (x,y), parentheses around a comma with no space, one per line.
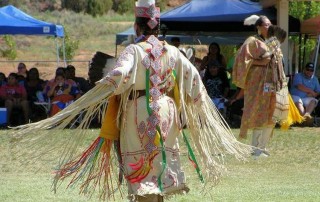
(109,129)
(293,115)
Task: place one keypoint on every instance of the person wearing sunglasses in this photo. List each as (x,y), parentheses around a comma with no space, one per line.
(305,90)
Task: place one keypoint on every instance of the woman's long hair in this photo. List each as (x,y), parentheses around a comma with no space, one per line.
(219,56)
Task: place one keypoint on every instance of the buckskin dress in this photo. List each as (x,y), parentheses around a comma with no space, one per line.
(251,73)
(157,91)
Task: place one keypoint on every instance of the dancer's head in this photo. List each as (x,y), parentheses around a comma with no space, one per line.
(147,18)
(261,24)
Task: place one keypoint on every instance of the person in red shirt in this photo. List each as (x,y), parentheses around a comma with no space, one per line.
(14,96)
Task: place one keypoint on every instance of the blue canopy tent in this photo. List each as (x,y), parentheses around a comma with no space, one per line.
(185,39)
(15,22)
(212,20)
(212,16)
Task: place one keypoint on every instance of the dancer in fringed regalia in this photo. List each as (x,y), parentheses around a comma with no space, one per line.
(152,93)
(258,71)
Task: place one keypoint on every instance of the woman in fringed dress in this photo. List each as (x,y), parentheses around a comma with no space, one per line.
(152,93)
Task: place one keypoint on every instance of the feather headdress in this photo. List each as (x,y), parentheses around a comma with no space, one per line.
(251,20)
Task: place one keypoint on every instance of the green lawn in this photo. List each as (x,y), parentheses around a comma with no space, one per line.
(291,173)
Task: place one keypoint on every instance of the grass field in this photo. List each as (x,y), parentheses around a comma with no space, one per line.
(291,173)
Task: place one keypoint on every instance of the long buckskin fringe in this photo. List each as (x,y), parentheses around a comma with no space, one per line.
(213,139)
(92,169)
(210,135)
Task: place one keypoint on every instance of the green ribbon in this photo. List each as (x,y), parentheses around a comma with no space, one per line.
(193,157)
(190,152)
(164,158)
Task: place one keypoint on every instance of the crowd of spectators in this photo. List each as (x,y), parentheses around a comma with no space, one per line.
(24,93)
(218,82)
(216,74)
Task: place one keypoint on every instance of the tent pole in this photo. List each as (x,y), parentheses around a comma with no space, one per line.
(57,46)
(300,54)
(315,60)
(304,52)
(64,52)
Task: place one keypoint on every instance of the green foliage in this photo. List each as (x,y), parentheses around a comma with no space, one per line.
(9,51)
(98,7)
(92,7)
(44,5)
(228,51)
(125,6)
(75,5)
(302,11)
(161,4)
(71,46)
(16,3)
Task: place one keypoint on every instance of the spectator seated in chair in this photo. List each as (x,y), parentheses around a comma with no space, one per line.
(34,85)
(217,84)
(15,97)
(304,90)
(3,81)
(59,92)
(82,84)
(213,55)
(22,73)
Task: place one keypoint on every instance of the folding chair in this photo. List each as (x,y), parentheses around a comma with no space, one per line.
(45,104)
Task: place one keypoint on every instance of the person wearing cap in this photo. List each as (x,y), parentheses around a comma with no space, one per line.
(305,89)
(149,96)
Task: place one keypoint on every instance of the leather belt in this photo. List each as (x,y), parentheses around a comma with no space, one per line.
(259,65)
(136,94)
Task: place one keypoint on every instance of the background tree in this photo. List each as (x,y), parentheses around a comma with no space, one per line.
(98,7)
(8,48)
(71,46)
(44,5)
(124,6)
(162,4)
(127,6)
(75,5)
(16,3)
(303,11)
